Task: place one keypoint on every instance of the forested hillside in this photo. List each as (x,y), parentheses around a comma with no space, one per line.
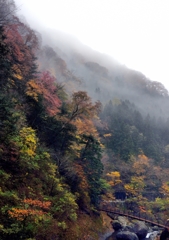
(133,124)
(75,128)
(50,150)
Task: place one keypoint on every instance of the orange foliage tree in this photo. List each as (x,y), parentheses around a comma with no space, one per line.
(30,207)
(45,86)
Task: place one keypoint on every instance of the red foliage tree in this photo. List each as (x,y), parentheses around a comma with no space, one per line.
(23,42)
(44,85)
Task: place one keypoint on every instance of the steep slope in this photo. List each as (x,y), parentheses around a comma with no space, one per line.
(50,161)
(80,68)
(57,144)
(133,125)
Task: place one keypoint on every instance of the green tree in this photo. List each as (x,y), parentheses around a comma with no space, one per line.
(93,168)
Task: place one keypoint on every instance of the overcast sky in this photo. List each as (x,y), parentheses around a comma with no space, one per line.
(135,32)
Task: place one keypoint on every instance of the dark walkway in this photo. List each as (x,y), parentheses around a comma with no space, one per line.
(130,215)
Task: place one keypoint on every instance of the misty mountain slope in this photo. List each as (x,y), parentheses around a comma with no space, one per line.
(62,155)
(79,67)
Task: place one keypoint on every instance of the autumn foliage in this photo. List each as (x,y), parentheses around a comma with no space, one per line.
(62,152)
(45,85)
(39,131)
(30,208)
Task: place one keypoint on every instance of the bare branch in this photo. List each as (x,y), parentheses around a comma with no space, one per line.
(7,9)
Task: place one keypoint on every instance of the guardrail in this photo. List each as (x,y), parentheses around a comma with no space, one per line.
(129,215)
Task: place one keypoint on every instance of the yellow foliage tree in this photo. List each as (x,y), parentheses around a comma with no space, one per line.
(84,127)
(28,141)
(141,164)
(135,187)
(33,89)
(17,72)
(113,178)
(165,189)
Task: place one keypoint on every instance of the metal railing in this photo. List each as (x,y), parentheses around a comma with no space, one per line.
(138,216)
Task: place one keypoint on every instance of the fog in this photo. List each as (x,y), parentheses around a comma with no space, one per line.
(81,67)
(132,32)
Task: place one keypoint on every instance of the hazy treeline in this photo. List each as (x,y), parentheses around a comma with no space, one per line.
(76,127)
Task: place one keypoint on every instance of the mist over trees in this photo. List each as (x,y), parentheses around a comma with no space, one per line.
(76,127)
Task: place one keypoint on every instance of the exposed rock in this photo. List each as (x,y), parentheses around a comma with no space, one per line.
(116,225)
(155,228)
(140,229)
(117,228)
(123,220)
(126,231)
(113,235)
(126,235)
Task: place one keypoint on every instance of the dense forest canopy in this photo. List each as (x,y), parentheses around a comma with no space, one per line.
(75,128)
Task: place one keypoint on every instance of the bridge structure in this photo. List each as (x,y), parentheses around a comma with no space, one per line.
(138,216)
